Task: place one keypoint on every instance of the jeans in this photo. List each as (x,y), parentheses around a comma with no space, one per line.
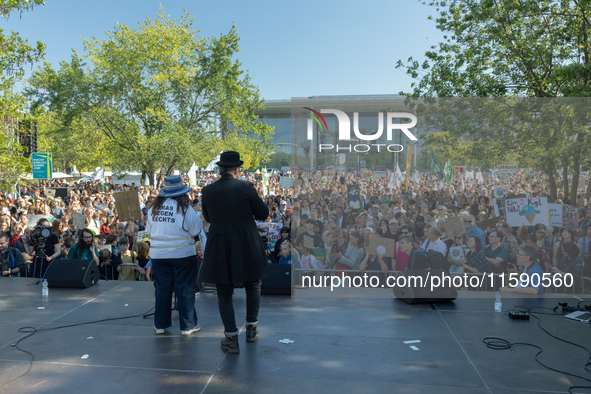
(253,302)
(179,275)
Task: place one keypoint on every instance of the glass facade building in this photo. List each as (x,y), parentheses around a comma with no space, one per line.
(312,138)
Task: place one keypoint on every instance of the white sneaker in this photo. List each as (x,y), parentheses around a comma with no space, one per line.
(191,331)
(159,331)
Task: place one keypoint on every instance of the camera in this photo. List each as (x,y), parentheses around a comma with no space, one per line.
(39,237)
(335,246)
(265,241)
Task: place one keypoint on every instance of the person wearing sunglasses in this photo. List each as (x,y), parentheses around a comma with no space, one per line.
(472,229)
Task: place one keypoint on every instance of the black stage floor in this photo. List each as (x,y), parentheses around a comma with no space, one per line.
(339,346)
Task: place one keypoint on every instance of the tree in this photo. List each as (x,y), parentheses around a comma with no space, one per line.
(15,54)
(161,95)
(516,48)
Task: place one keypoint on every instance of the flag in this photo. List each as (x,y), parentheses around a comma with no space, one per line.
(448,173)
(98,174)
(435,166)
(74,172)
(408,162)
(479,177)
(469,174)
(192,175)
(416,178)
(265,179)
(212,166)
(146,181)
(398,177)
(463,185)
(391,183)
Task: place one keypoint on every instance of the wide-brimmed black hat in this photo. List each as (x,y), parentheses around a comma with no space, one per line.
(230,159)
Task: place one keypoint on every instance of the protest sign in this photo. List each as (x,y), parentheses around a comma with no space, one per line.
(308,241)
(34,219)
(320,254)
(453,227)
(380,174)
(285,181)
(78,220)
(128,206)
(457,252)
(50,193)
(488,224)
(330,171)
(274,234)
(555,212)
(500,191)
(142,236)
(316,195)
(570,218)
(500,208)
(527,211)
(507,169)
(386,243)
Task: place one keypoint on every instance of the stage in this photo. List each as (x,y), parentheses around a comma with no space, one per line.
(340,345)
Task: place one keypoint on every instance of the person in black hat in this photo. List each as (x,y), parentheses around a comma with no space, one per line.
(235,255)
(172,225)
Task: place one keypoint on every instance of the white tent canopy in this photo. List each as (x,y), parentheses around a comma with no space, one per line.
(54,175)
(107,173)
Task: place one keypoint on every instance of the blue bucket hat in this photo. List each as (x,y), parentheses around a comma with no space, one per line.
(174,187)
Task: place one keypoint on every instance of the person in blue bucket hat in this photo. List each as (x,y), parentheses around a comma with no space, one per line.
(172,225)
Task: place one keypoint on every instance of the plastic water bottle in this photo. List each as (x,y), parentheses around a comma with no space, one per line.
(498,303)
(45,290)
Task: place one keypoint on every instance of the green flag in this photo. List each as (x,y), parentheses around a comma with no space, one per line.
(448,173)
(435,166)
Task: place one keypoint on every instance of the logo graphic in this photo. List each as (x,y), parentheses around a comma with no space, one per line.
(317,121)
(344,129)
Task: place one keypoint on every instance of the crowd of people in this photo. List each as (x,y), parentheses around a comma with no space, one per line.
(325,213)
(326,222)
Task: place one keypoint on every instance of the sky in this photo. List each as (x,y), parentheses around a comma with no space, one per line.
(290,49)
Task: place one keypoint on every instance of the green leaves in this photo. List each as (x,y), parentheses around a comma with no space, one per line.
(159,93)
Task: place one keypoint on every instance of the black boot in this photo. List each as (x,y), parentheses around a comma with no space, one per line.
(251,332)
(230,343)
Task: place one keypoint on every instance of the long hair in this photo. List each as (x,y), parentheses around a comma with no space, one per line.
(81,245)
(182,204)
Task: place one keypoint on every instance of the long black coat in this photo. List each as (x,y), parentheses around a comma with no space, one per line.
(234,252)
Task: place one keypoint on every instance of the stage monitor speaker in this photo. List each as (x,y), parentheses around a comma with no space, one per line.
(72,273)
(278,279)
(414,293)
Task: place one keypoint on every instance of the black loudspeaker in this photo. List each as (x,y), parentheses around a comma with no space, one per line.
(72,273)
(61,192)
(415,286)
(278,279)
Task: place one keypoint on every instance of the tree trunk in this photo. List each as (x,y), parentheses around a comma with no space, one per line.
(565,176)
(143,178)
(552,180)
